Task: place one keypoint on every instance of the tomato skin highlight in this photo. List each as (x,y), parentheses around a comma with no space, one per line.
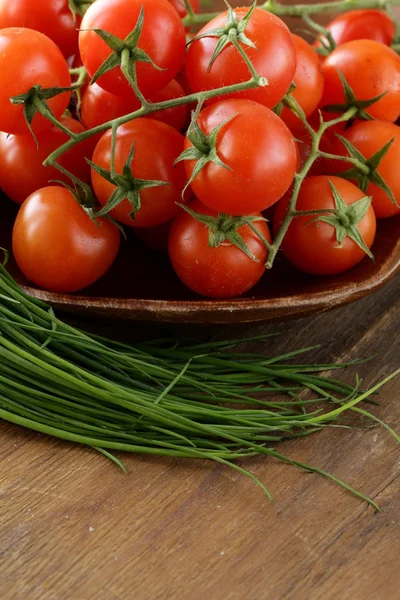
(21,161)
(157,146)
(369,137)
(370,69)
(368,24)
(275,59)
(258,148)
(51,17)
(57,257)
(312,247)
(223,272)
(309,82)
(162,38)
(29,58)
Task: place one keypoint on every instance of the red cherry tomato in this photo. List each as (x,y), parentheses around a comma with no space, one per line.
(222,272)
(369,137)
(361,25)
(56,244)
(274,58)
(99,106)
(311,245)
(162,38)
(51,17)
(21,160)
(258,150)
(309,82)
(27,59)
(370,69)
(157,146)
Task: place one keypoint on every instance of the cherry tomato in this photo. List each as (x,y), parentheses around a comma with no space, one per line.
(157,146)
(361,25)
(369,137)
(222,272)
(176,116)
(311,245)
(21,160)
(258,150)
(274,58)
(29,58)
(99,106)
(370,69)
(56,244)
(162,38)
(309,82)
(51,17)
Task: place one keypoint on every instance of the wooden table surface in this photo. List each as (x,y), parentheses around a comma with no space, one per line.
(74,526)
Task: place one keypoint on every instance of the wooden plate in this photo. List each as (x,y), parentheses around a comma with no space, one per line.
(142,286)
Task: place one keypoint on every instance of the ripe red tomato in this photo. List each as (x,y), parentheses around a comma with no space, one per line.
(259,150)
(157,146)
(311,245)
(176,116)
(51,17)
(361,25)
(29,58)
(99,106)
(222,272)
(309,82)
(56,244)
(21,161)
(162,38)
(274,58)
(370,69)
(369,137)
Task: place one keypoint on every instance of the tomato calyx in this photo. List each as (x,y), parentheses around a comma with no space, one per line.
(128,186)
(204,149)
(126,54)
(351,101)
(224,228)
(34,101)
(345,219)
(233,32)
(367,170)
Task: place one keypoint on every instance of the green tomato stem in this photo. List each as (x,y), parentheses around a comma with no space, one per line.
(298,180)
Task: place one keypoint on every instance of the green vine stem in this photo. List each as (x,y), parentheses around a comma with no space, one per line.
(299,178)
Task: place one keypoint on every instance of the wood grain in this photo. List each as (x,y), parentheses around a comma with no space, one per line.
(73,526)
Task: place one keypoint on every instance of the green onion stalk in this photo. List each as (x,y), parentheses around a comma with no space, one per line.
(166,398)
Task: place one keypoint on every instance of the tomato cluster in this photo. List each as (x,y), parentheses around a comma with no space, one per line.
(194,140)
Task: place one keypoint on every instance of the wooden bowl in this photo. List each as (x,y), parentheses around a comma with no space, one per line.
(142,286)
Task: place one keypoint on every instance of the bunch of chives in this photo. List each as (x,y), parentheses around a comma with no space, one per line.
(197,400)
